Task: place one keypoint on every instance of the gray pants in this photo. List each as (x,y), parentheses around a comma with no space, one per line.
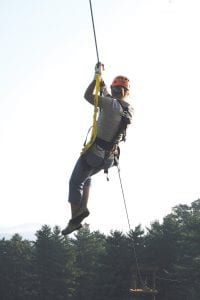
(91,162)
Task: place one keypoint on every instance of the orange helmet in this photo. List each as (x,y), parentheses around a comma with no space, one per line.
(121,81)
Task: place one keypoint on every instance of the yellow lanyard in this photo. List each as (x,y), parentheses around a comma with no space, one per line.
(94,125)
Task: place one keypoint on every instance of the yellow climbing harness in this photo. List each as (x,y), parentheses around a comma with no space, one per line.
(95,115)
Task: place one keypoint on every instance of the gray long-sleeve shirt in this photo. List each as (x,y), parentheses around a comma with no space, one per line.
(110,114)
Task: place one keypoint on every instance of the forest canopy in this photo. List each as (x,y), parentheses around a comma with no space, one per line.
(94,266)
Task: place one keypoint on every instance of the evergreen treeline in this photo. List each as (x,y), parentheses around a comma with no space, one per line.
(94,266)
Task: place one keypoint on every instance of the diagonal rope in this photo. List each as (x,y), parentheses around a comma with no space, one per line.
(94,135)
(128,220)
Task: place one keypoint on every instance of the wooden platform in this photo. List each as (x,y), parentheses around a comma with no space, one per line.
(144,291)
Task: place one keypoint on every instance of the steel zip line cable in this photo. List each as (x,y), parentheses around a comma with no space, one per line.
(95,38)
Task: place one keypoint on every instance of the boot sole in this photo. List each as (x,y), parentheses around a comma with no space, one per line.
(66,232)
(80,217)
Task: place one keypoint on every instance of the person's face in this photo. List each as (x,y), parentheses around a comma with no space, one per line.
(119,92)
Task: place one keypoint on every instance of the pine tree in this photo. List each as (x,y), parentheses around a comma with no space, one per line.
(53,265)
(89,248)
(16,269)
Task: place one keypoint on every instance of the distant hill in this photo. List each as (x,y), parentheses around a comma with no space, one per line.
(27,231)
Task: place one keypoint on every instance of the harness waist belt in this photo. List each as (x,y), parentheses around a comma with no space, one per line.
(108,146)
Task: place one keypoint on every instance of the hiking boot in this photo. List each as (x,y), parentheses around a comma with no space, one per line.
(71,227)
(81,214)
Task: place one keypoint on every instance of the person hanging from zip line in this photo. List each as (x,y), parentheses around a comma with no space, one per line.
(115,114)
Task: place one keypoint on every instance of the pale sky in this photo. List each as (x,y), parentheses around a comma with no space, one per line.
(47,59)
